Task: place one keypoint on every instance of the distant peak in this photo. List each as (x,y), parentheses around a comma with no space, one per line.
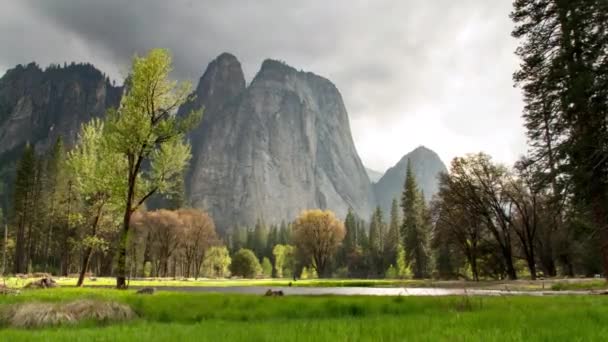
(423,148)
(276,65)
(227,57)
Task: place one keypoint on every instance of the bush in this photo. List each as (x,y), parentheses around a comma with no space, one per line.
(266,268)
(245,264)
(391,273)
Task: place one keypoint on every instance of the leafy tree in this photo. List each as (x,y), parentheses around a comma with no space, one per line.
(317,235)
(284,260)
(145,130)
(403,270)
(97,178)
(266,268)
(217,262)
(245,264)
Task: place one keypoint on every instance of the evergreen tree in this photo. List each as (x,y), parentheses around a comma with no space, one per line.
(564,67)
(54,194)
(376,243)
(284,234)
(23,202)
(350,224)
(414,225)
(394,235)
(260,239)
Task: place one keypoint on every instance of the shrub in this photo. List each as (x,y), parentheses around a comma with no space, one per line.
(245,264)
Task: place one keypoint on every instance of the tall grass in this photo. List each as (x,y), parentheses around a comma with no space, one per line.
(214,317)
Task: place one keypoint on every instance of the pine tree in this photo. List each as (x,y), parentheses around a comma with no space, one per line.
(260,239)
(350,224)
(563,74)
(413,227)
(394,234)
(376,243)
(23,202)
(54,194)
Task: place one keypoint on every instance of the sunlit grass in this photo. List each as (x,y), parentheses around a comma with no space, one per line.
(168,316)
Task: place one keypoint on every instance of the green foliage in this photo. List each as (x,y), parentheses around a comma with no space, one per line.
(284,260)
(308,273)
(391,272)
(401,267)
(260,239)
(563,54)
(377,237)
(217,262)
(146,131)
(266,268)
(245,264)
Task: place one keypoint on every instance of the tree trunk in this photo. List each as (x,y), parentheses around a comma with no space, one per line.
(600,216)
(511,273)
(121,262)
(85,266)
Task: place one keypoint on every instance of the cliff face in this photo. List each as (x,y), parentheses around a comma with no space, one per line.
(37,106)
(426,166)
(272,149)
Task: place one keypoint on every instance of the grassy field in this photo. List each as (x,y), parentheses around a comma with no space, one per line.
(195,316)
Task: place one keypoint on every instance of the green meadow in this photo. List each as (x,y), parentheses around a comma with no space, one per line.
(169,316)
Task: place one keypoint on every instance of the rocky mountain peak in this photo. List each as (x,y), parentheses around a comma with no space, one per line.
(279,146)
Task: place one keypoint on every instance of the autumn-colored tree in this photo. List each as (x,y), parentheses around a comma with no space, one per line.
(199,236)
(166,234)
(318,234)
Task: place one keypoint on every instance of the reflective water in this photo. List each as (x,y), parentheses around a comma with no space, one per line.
(364,291)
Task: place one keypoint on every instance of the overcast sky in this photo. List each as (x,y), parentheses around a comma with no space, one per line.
(412,72)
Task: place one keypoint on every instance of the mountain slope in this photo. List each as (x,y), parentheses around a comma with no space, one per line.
(373,175)
(426,165)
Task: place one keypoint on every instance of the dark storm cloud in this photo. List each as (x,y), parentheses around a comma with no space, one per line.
(396,62)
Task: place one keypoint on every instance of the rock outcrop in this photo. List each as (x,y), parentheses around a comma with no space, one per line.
(426,166)
(267,151)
